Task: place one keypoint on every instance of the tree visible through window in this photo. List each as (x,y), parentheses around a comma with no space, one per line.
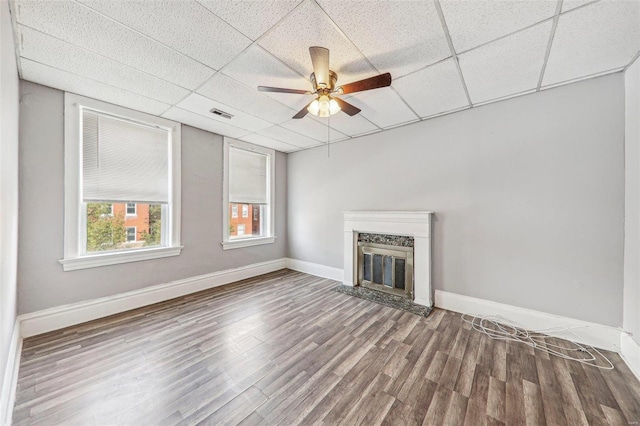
(105,231)
(110,227)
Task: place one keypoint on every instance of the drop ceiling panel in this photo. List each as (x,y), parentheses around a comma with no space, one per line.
(183,25)
(56,53)
(373,26)
(79,25)
(255,67)
(151,55)
(74,83)
(349,125)
(311,128)
(252,18)
(433,90)
(474,22)
(593,39)
(506,66)
(203,106)
(235,94)
(197,120)
(309,26)
(572,4)
(292,138)
(383,107)
(269,143)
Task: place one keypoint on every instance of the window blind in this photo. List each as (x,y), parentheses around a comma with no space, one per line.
(247,177)
(123,161)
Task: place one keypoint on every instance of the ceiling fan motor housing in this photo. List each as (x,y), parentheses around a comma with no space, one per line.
(333,78)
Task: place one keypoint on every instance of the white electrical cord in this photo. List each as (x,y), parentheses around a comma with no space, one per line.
(500,328)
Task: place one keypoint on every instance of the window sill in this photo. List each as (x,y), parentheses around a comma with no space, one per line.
(105,259)
(247,242)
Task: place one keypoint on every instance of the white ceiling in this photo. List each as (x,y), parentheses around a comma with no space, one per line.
(180,58)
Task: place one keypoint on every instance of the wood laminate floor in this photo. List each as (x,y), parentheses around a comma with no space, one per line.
(285,349)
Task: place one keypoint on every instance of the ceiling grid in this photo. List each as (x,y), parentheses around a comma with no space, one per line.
(453,51)
(476,53)
(553,32)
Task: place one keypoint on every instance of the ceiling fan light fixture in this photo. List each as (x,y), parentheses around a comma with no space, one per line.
(324,106)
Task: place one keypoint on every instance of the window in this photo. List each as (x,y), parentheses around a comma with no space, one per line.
(107,210)
(131,209)
(249,172)
(105,146)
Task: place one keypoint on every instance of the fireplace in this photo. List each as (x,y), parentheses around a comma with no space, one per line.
(385,263)
(410,225)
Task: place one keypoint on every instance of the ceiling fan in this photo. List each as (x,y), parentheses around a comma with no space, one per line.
(324,81)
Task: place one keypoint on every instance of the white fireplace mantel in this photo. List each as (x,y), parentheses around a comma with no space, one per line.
(416,224)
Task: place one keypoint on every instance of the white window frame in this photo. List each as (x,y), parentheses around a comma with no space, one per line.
(135,209)
(75,210)
(135,234)
(245,210)
(269,233)
(241,226)
(234,211)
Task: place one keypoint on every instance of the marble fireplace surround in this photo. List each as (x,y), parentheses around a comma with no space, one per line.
(416,224)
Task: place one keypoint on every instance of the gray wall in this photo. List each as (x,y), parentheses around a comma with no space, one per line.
(528,195)
(43,284)
(631,309)
(9,98)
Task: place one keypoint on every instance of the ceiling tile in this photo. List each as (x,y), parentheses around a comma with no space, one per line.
(210,125)
(74,83)
(183,25)
(349,125)
(269,143)
(310,127)
(56,53)
(287,136)
(506,66)
(433,90)
(230,92)
(79,25)
(201,105)
(255,67)
(572,4)
(474,22)
(373,27)
(595,38)
(383,107)
(252,18)
(309,26)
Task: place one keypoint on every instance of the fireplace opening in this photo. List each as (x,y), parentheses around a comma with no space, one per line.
(385,263)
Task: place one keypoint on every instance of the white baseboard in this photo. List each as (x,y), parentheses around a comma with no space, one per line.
(596,335)
(316,269)
(8,396)
(630,353)
(64,316)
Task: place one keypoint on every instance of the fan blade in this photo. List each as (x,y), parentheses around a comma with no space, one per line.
(303,111)
(281,90)
(382,80)
(347,107)
(320,61)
